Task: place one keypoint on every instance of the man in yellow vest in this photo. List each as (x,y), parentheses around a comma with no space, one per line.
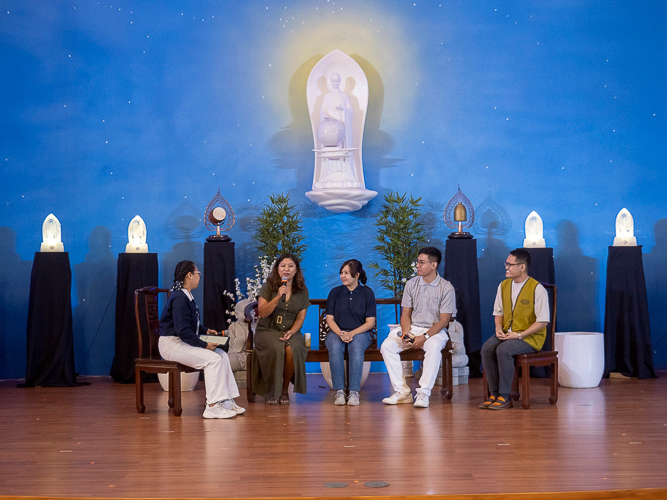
(521,314)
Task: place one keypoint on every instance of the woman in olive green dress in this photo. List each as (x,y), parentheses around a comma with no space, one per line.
(280,351)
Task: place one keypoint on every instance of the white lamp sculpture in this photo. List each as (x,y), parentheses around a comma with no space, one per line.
(534,231)
(625,230)
(51,239)
(136,234)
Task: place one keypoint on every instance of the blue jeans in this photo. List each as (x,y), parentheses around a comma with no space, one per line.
(355,350)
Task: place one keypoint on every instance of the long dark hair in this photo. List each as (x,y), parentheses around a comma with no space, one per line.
(182,269)
(298,283)
(356,269)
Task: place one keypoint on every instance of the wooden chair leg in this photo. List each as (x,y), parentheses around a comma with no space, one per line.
(139,389)
(553,399)
(447,382)
(248,378)
(170,401)
(514,391)
(485,387)
(525,385)
(178,409)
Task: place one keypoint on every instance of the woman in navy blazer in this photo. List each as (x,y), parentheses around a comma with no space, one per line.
(179,341)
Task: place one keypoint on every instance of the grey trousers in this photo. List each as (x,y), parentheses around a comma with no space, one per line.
(498,363)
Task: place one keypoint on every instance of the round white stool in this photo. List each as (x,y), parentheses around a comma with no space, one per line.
(188,381)
(580,359)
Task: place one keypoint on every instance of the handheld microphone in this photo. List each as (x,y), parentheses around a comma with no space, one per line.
(283,283)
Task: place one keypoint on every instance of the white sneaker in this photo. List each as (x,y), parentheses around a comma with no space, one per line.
(397,398)
(421,401)
(353,399)
(217,411)
(230,404)
(340,398)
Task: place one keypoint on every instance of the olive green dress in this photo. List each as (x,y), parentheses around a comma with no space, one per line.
(269,352)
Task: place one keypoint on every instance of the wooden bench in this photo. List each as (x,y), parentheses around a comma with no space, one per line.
(373,353)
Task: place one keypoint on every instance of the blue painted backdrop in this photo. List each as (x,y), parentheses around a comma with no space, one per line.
(113,109)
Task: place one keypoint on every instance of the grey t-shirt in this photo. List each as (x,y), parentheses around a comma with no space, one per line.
(429,300)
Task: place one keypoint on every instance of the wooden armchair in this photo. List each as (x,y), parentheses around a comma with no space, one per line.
(523,362)
(372,353)
(148,327)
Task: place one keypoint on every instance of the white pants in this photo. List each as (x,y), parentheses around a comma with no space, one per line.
(218,375)
(391,349)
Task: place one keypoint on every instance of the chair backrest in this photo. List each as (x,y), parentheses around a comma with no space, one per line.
(553,302)
(147,315)
(251,312)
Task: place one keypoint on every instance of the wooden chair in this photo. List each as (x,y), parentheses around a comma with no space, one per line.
(373,353)
(523,362)
(148,327)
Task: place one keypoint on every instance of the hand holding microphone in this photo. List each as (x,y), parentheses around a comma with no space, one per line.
(283,283)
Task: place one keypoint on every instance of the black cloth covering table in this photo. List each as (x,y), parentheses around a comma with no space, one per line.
(542,270)
(134,271)
(50,341)
(219,276)
(461,271)
(627,332)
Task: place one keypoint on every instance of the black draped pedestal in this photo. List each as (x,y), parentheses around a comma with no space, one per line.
(627,332)
(219,276)
(461,272)
(50,360)
(542,270)
(135,270)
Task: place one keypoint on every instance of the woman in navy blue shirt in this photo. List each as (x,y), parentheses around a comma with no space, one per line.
(351,312)
(179,341)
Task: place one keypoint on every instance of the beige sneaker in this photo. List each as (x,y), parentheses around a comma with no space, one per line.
(340,398)
(397,398)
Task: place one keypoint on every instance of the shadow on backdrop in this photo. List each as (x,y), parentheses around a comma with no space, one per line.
(184,224)
(293,145)
(578,281)
(94,316)
(655,269)
(14,298)
(491,266)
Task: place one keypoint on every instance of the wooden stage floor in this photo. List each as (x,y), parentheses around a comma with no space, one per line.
(89,441)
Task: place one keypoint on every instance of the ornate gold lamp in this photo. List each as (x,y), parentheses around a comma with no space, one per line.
(460,207)
(219,216)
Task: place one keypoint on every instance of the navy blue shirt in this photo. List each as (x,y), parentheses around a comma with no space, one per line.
(179,319)
(350,309)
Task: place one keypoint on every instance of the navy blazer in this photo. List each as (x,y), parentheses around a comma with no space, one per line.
(179,319)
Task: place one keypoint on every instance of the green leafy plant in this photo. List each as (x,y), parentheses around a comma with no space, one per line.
(399,235)
(279,229)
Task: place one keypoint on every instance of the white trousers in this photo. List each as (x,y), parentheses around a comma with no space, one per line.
(218,375)
(391,349)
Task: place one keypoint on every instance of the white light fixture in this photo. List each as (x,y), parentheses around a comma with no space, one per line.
(51,239)
(625,230)
(534,231)
(136,234)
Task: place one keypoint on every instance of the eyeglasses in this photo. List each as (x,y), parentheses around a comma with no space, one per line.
(423,262)
(197,272)
(509,264)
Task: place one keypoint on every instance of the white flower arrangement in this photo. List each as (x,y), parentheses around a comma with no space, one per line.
(253,285)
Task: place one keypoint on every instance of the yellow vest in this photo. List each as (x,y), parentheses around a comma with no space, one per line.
(522,315)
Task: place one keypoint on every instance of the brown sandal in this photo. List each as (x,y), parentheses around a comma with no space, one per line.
(284,399)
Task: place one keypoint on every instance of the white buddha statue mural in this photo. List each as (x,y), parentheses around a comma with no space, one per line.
(337,118)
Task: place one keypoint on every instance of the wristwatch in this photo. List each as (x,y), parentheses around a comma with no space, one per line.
(427,336)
